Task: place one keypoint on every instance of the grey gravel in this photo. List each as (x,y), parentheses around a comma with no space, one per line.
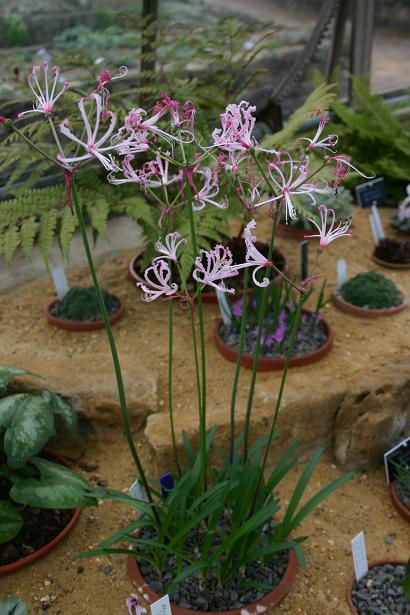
(191,595)
(381,592)
(388,539)
(106,569)
(311,336)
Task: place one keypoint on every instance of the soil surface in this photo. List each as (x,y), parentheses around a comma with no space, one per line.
(99,586)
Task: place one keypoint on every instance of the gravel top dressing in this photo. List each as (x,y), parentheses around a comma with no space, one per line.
(190,594)
(381,592)
(311,336)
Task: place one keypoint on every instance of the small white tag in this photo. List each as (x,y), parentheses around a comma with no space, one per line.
(377,223)
(341,272)
(374,230)
(402,444)
(137,491)
(161,606)
(361,567)
(224,307)
(60,282)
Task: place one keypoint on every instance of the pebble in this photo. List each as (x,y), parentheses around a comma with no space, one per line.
(102,482)
(80,569)
(380,592)
(388,539)
(106,569)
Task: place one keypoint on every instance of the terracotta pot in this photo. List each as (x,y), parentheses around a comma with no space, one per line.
(362,311)
(398,504)
(352,581)
(24,561)
(267,602)
(207,296)
(268,364)
(71,325)
(383,263)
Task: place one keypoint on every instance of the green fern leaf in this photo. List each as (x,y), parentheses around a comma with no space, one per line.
(27,235)
(69,223)
(11,241)
(46,233)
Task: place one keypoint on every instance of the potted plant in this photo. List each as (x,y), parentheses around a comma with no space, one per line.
(382,589)
(79,310)
(40,497)
(400,487)
(370,295)
(400,220)
(313,342)
(341,203)
(392,253)
(212,525)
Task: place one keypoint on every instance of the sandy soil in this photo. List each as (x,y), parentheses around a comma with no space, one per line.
(58,584)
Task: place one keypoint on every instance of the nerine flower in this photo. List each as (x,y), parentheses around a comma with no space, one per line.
(154,174)
(157,279)
(343,166)
(254,258)
(293,183)
(179,119)
(94,146)
(169,248)
(327,235)
(135,122)
(106,79)
(237,126)
(208,192)
(326,143)
(215,265)
(45,97)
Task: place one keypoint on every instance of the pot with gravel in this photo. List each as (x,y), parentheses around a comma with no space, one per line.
(79,310)
(380,591)
(370,295)
(392,253)
(400,488)
(40,497)
(314,339)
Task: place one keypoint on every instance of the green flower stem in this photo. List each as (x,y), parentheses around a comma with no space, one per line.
(170,365)
(238,360)
(202,413)
(279,397)
(114,353)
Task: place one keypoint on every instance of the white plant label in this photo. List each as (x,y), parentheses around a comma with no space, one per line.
(137,491)
(60,282)
(377,223)
(374,230)
(224,308)
(361,566)
(341,272)
(161,606)
(403,444)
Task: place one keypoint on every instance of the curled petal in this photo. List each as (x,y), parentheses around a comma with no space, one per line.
(157,278)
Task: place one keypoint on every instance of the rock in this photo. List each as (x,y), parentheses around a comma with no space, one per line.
(373,417)
(388,539)
(80,569)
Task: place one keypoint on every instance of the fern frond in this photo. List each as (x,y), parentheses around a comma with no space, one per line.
(68,225)
(47,233)
(321,98)
(11,241)
(28,232)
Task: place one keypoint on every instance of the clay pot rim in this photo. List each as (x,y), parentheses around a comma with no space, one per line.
(72,325)
(29,559)
(352,581)
(350,308)
(270,600)
(398,504)
(383,263)
(207,296)
(272,363)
